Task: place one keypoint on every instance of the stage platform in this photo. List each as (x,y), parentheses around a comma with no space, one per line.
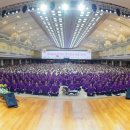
(112,113)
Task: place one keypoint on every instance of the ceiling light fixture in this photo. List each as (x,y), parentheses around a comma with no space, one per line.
(82,30)
(65,6)
(81,7)
(43,7)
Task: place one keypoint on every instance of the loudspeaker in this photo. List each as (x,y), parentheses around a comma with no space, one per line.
(94,7)
(10,100)
(52,5)
(118,12)
(128,93)
(3,13)
(24,9)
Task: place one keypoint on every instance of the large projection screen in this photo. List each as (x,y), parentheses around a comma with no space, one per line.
(66,55)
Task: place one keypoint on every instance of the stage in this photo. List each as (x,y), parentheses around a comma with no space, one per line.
(112,113)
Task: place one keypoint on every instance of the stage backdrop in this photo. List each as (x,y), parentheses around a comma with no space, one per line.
(66,55)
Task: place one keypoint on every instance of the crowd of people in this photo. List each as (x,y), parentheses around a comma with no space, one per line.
(46,79)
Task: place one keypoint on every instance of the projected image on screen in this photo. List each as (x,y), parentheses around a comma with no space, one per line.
(66,55)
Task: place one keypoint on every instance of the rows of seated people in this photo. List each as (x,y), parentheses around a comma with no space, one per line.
(64,68)
(46,79)
(106,84)
(31,83)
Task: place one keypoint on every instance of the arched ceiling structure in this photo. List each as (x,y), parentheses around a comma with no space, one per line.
(126,4)
(69,29)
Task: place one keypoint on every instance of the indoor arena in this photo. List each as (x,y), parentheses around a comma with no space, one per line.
(64,64)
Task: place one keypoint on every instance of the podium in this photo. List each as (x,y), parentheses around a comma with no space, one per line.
(8,97)
(10,100)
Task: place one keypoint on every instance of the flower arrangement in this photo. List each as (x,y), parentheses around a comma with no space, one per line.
(3,85)
(3,89)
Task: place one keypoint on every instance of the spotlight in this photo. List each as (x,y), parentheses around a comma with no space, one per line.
(127,14)
(43,7)
(32,8)
(65,7)
(81,7)
(29,10)
(114,12)
(13,13)
(101,10)
(124,14)
(106,10)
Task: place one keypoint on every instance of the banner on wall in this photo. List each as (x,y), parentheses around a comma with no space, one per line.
(66,55)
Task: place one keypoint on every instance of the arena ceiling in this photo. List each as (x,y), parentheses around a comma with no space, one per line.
(126,4)
(65,30)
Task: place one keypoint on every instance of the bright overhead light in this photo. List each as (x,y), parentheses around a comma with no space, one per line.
(43,7)
(59,12)
(53,11)
(82,13)
(32,8)
(81,7)
(65,7)
(55,20)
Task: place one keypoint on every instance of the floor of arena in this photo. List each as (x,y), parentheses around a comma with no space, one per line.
(112,113)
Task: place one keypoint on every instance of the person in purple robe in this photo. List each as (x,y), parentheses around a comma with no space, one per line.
(54,89)
(99,89)
(91,90)
(71,86)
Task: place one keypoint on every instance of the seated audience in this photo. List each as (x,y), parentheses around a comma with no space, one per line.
(46,79)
